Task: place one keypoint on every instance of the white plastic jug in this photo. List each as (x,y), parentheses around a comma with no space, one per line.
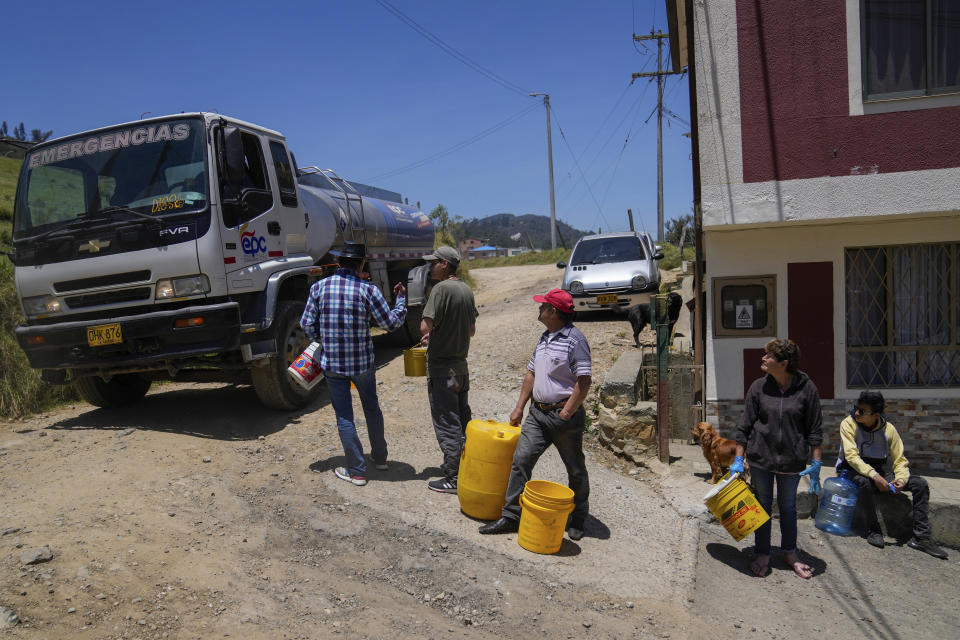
(305,369)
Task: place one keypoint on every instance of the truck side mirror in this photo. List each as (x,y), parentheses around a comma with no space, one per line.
(417,284)
(658,256)
(561,265)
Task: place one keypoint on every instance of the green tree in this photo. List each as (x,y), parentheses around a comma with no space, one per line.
(3,129)
(446,227)
(38,135)
(675,227)
(19,132)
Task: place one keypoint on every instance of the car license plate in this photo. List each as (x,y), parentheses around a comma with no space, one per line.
(607,298)
(104,334)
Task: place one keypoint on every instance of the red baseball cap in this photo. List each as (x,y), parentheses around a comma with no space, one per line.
(560,300)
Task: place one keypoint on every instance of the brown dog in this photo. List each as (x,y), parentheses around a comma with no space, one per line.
(718,451)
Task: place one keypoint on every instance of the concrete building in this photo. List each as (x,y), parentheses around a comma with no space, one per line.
(469,243)
(826,163)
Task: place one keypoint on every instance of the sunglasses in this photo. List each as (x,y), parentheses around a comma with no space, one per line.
(862,412)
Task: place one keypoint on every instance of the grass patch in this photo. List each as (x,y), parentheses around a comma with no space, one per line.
(21,390)
(671,255)
(9,171)
(539,257)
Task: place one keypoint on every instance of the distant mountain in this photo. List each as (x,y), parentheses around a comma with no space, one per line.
(498,229)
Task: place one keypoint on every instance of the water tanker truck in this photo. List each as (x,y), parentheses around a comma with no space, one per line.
(183,248)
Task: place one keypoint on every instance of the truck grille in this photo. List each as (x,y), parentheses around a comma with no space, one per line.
(111,280)
(108,297)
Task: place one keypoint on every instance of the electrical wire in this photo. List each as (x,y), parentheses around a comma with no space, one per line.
(631,111)
(449,50)
(456,147)
(575,162)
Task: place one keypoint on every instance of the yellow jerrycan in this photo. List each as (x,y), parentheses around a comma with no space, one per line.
(485,467)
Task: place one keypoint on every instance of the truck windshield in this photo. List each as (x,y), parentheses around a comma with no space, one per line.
(152,170)
(603,250)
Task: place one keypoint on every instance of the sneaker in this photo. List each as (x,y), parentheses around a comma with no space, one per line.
(443,485)
(575,528)
(344,474)
(927,545)
(379,466)
(876,539)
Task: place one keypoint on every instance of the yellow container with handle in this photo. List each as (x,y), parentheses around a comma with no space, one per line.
(546,506)
(415,362)
(485,467)
(734,505)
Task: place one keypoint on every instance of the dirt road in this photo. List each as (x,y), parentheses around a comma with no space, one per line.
(199,514)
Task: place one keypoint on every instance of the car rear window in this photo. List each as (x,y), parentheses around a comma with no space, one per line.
(605,250)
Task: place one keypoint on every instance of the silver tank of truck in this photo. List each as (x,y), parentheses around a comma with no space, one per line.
(338,213)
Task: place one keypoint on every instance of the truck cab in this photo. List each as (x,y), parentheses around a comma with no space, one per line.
(177,247)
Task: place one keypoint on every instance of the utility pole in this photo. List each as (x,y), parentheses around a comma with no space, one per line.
(553,211)
(658,74)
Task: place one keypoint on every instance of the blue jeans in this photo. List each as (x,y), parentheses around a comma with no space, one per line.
(366,383)
(786,501)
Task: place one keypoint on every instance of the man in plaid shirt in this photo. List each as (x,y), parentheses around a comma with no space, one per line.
(337,315)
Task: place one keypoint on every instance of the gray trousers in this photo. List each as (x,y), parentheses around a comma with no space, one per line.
(540,430)
(451,413)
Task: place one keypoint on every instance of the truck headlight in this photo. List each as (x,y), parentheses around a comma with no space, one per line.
(576,287)
(638,282)
(180,287)
(41,306)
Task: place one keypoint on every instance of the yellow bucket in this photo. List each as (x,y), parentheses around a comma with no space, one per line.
(734,505)
(548,493)
(415,361)
(485,467)
(542,523)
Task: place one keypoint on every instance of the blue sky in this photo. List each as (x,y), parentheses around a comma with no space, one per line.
(357,90)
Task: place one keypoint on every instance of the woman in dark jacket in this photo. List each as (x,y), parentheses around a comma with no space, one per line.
(779,430)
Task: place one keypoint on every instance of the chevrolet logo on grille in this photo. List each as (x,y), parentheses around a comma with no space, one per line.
(94,246)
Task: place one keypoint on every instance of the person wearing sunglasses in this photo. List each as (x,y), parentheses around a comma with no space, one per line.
(872,450)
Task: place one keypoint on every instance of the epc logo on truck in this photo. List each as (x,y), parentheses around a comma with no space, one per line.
(251,244)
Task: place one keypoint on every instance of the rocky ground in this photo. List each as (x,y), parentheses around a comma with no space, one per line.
(198,514)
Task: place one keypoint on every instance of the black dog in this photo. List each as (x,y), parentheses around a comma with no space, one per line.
(639,314)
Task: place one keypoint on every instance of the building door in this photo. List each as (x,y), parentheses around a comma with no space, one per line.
(810,320)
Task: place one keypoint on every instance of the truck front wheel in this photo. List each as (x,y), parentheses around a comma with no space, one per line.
(274,386)
(118,391)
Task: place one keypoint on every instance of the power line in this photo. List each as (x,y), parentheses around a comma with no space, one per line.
(634,108)
(456,147)
(449,50)
(575,162)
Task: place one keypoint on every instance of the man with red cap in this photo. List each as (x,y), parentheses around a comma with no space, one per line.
(558,378)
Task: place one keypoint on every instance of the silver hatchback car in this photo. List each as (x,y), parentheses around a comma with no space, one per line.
(612,269)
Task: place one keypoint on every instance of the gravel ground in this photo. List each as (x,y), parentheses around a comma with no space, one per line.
(197,513)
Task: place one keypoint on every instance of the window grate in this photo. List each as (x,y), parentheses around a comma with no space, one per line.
(902,316)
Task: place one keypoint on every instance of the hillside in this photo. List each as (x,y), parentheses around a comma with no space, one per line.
(498,228)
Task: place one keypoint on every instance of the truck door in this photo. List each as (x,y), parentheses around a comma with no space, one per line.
(252,218)
(292,222)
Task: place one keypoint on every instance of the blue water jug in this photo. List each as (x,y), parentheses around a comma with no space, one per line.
(837,505)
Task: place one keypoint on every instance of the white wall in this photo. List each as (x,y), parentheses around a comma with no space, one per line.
(761,251)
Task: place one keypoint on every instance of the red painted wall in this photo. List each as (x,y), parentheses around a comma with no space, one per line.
(794,102)
(810,320)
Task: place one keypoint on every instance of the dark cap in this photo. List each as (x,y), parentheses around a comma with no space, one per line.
(558,298)
(449,254)
(351,249)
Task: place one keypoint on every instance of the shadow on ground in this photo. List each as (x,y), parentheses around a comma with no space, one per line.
(740,560)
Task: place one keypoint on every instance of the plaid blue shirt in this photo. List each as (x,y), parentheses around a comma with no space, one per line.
(338,315)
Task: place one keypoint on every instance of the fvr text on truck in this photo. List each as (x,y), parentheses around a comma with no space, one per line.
(183,248)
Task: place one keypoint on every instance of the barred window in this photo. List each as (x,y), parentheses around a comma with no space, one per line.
(903,316)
